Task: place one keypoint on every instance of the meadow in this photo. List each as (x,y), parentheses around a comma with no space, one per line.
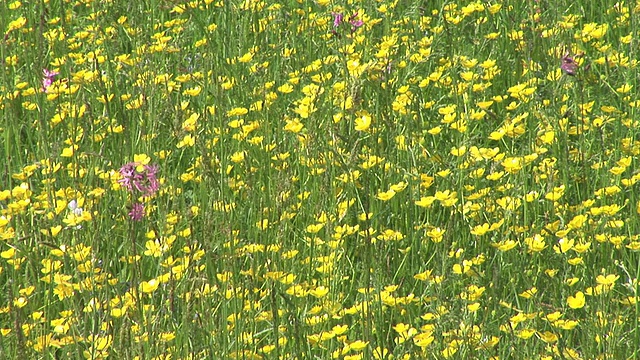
(247,179)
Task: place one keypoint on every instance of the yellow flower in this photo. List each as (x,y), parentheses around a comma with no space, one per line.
(548,337)
(528,294)
(525,333)
(423,276)
(423,339)
(436,234)
(194,91)
(363,122)
(495,8)
(556,194)
(480,230)
(285,88)
(246,57)
(505,245)
(535,243)
(607,280)
(426,201)
(319,292)
(154,248)
(314,228)
(386,195)
(401,328)
(9,253)
(263,224)
(512,165)
(353,357)
(295,126)
(462,269)
(135,103)
(358,345)
(451,349)
(238,157)
(577,301)
(497,135)
(564,245)
(187,140)
(16,24)
(15,5)
(459,151)
(624,89)
(593,31)
(340,329)
(305,107)
(239,111)
(577,222)
(167,336)
(150,286)
(399,186)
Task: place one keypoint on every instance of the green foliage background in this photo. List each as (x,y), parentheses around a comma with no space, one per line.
(349,180)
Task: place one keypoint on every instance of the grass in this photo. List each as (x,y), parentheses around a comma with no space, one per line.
(314,180)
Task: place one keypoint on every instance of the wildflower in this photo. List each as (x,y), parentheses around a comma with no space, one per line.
(577,301)
(150,286)
(363,122)
(319,292)
(77,215)
(139,178)
(73,206)
(137,212)
(569,65)
(355,23)
(337,19)
(16,24)
(49,77)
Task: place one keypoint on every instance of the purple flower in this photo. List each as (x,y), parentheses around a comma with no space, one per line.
(49,74)
(569,65)
(355,23)
(337,19)
(138,178)
(49,77)
(137,212)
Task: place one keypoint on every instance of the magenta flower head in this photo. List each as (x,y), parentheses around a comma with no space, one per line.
(139,179)
(137,212)
(337,19)
(355,23)
(49,77)
(569,65)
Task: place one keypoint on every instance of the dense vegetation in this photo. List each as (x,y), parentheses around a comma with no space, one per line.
(222,179)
